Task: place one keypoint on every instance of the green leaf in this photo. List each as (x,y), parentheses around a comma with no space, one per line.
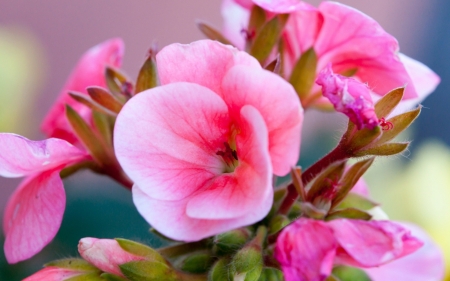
(73,263)
(148,271)
(148,75)
(304,73)
(350,179)
(353,200)
(266,39)
(349,213)
(105,99)
(386,149)
(346,273)
(140,250)
(388,102)
(212,33)
(400,123)
(87,136)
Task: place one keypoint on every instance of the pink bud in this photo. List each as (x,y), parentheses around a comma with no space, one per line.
(105,254)
(53,273)
(348,96)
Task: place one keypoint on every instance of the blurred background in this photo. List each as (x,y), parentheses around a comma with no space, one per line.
(40,42)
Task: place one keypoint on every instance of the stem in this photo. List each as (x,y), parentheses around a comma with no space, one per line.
(181,249)
(288,200)
(337,154)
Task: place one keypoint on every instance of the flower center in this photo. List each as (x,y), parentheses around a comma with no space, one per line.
(229,156)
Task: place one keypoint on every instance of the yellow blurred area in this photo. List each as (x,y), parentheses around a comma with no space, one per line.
(417,191)
(22,72)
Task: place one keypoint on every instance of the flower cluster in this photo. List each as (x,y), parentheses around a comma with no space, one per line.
(201,134)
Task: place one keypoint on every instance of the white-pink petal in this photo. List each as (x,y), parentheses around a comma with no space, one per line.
(33,215)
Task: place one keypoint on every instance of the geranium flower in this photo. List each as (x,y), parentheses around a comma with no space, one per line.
(89,71)
(201,148)
(35,210)
(307,249)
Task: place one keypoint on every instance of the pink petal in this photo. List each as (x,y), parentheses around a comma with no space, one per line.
(105,254)
(166,139)
(361,188)
(203,62)
(248,4)
(33,215)
(278,104)
(350,39)
(427,263)
(281,6)
(305,250)
(235,194)
(170,218)
(20,156)
(88,72)
(372,243)
(349,96)
(235,19)
(52,273)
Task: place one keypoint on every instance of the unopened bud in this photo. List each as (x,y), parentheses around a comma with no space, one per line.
(277,223)
(149,271)
(66,269)
(219,271)
(105,254)
(197,263)
(271,274)
(229,242)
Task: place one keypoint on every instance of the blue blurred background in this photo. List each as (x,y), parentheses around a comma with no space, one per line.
(40,42)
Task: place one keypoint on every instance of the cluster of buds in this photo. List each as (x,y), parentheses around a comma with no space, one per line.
(199,136)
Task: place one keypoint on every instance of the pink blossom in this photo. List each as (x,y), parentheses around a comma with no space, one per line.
(275,6)
(105,254)
(347,38)
(52,273)
(90,71)
(34,212)
(201,148)
(348,96)
(307,249)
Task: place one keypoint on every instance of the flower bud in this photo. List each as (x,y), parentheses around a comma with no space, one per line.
(197,263)
(231,241)
(66,269)
(105,254)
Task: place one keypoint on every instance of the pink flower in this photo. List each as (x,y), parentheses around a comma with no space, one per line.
(105,254)
(202,147)
(35,210)
(52,273)
(90,71)
(345,37)
(275,6)
(307,249)
(349,96)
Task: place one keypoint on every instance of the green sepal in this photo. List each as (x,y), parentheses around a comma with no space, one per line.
(72,263)
(230,241)
(266,39)
(347,273)
(350,178)
(148,271)
(219,271)
(349,213)
(304,73)
(212,33)
(104,125)
(311,211)
(105,99)
(277,223)
(333,278)
(87,277)
(257,19)
(148,75)
(388,102)
(333,172)
(271,274)
(88,137)
(275,65)
(353,200)
(360,139)
(112,277)
(197,263)
(114,80)
(89,102)
(295,211)
(140,250)
(400,123)
(386,149)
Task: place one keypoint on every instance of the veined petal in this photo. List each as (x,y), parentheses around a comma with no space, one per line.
(278,104)
(235,18)
(427,263)
(350,39)
(282,6)
(52,273)
(33,215)
(203,62)
(20,156)
(170,218)
(166,139)
(305,250)
(372,243)
(88,72)
(235,194)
